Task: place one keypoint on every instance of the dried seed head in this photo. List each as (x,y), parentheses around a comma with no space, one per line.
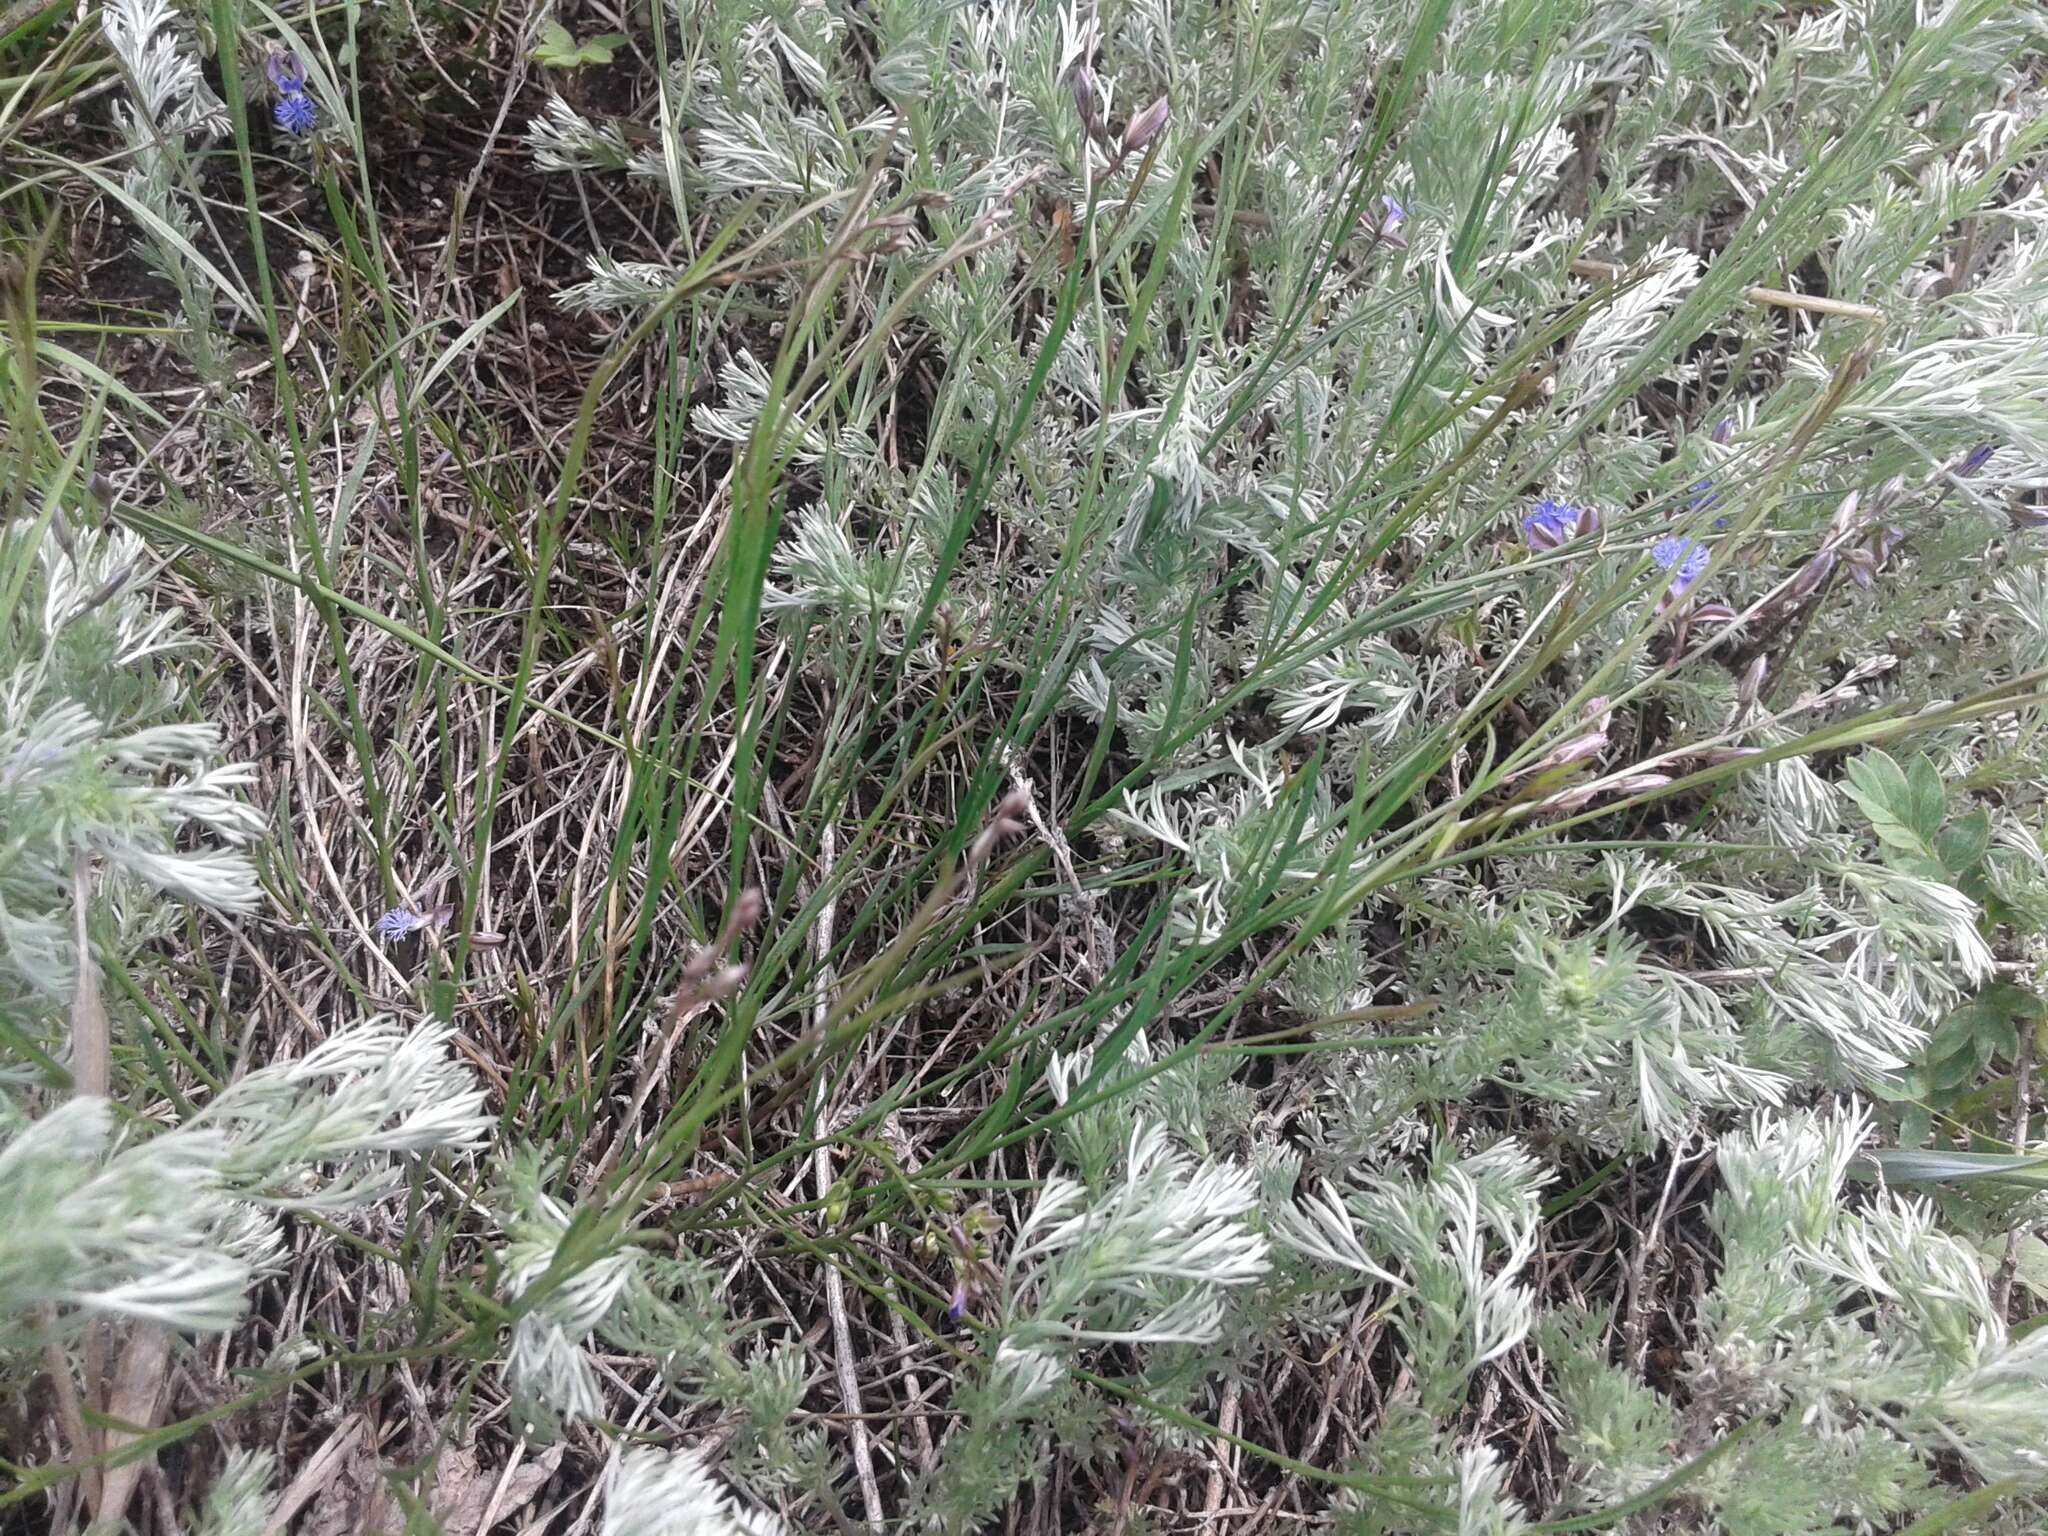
(748,912)
(1008,821)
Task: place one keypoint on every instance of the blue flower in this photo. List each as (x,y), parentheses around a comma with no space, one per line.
(1395,215)
(1686,559)
(399,923)
(295,113)
(1553,523)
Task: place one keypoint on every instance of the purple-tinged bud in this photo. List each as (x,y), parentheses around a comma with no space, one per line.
(1085,101)
(1847,517)
(1711,757)
(957,1307)
(2028,517)
(1752,686)
(1811,575)
(1975,460)
(1724,429)
(1144,128)
(1392,217)
(1713,613)
(286,74)
(1636,783)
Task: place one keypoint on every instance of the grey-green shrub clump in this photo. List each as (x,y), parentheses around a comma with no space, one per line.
(1334,812)
(1281,485)
(118,1209)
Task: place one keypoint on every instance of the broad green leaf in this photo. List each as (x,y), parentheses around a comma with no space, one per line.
(558,50)
(1960,845)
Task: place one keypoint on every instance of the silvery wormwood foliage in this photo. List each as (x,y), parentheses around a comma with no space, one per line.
(671,1493)
(1859,1335)
(168,102)
(665,1309)
(1803,961)
(90,770)
(1142,1254)
(100,1218)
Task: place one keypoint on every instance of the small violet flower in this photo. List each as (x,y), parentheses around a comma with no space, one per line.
(1686,559)
(295,113)
(399,923)
(1555,523)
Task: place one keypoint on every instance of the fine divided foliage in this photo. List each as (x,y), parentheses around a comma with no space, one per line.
(897,765)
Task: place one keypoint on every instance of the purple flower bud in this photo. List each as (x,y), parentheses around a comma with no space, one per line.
(1812,574)
(1713,613)
(1976,459)
(1144,128)
(1085,101)
(1636,783)
(957,1307)
(1704,496)
(1686,559)
(1752,687)
(1724,429)
(1392,216)
(1847,516)
(285,73)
